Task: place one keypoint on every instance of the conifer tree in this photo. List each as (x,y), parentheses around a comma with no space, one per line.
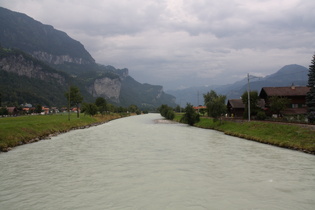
(310,97)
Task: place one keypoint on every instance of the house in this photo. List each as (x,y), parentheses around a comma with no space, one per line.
(12,110)
(45,110)
(235,108)
(296,95)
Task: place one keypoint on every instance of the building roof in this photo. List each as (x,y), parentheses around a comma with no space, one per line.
(236,103)
(285,91)
(200,107)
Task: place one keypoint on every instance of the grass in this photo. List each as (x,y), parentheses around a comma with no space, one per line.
(282,135)
(15,131)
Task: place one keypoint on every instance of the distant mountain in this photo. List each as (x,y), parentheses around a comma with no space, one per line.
(24,79)
(286,76)
(42,41)
(55,50)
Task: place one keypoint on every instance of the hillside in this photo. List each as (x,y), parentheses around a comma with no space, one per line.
(286,76)
(42,41)
(52,49)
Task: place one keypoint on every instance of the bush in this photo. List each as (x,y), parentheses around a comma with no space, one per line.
(167,112)
(311,117)
(261,116)
(190,117)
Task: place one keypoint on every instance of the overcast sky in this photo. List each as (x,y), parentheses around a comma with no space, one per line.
(181,43)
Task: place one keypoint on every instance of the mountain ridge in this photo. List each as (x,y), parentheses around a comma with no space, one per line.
(285,76)
(64,54)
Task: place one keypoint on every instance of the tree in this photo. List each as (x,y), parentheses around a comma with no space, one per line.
(278,104)
(190,117)
(38,108)
(167,112)
(89,108)
(75,98)
(310,96)
(133,108)
(3,111)
(253,102)
(215,104)
(101,104)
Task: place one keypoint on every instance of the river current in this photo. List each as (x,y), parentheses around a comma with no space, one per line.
(145,162)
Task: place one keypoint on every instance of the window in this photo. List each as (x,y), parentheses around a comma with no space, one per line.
(295,106)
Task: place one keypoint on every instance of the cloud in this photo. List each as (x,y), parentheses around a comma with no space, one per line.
(185,42)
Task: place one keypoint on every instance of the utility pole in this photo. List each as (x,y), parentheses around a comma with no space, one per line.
(248,97)
(69,103)
(198,102)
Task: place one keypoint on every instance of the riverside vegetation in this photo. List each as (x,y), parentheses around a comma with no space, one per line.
(16,131)
(289,136)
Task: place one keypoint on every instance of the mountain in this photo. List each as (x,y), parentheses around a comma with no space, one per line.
(42,41)
(286,76)
(41,47)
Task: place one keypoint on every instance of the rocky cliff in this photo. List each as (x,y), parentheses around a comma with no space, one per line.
(22,65)
(107,88)
(55,59)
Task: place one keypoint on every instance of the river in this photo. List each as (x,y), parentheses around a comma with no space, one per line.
(144,162)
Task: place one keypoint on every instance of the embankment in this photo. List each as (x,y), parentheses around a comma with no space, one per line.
(290,136)
(15,131)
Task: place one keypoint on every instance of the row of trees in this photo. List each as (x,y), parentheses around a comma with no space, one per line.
(310,97)
(100,105)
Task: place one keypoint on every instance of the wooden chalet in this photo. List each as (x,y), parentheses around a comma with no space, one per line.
(296,95)
(235,108)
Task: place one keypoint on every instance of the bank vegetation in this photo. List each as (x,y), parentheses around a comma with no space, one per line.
(15,131)
(291,136)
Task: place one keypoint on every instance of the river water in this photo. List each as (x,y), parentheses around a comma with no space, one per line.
(143,162)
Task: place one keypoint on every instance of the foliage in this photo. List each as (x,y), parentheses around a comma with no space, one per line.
(133,108)
(75,98)
(253,103)
(190,117)
(261,115)
(178,108)
(167,112)
(215,104)
(278,104)
(89,109)
(282,135)
(3,111)
(38,108)
(20,130)
(101,104)
(310,97)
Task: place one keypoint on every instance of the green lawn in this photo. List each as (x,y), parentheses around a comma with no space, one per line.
(283,135)
(20,130)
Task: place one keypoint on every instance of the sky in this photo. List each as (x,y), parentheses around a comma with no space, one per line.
(183,43)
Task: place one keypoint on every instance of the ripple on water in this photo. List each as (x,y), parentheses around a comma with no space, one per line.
(145,162)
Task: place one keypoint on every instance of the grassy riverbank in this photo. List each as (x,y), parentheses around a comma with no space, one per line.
(282,135)
(16,131)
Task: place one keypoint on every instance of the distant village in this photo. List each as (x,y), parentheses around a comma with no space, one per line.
(296,95)
(235,107)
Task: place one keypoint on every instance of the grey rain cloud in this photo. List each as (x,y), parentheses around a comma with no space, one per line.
(181,43)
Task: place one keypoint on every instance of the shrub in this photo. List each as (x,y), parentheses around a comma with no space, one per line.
(261,115)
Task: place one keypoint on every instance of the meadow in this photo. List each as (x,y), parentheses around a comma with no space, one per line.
(292,136)
(20,130)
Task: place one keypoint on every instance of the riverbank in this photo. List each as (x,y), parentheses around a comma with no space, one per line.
(15,131)
(289,136)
